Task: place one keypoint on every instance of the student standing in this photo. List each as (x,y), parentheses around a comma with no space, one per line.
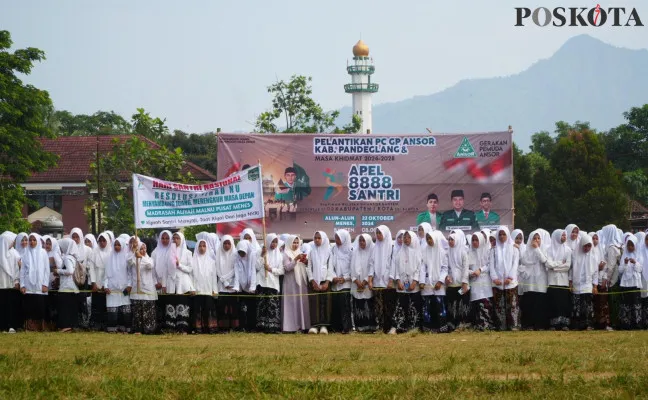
(117,284)
(434,271)
(68,290)
(97,268)
(584,282)
(504,263)
(9,283)
(179,282)
(534,272)
(143,300)
(406,275)
(340,261)
(34,283)
(458,297)
(481,292)
(296,315)
(269,268)
(631,273)
(364,318)
(320,276)
(245,265)
(380,270)
(227,306)
(205,283)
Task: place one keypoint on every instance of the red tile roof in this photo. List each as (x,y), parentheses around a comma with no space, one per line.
(77,152)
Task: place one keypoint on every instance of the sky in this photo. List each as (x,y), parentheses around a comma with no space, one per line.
(204,65)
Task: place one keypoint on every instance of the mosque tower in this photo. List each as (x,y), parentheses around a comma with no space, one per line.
(361,87)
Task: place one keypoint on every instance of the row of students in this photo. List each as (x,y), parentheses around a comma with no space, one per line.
(419,280)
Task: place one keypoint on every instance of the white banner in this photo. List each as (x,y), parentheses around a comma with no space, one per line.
(163,204)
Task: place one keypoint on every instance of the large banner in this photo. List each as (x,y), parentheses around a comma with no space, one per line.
(163,204)
(327,182)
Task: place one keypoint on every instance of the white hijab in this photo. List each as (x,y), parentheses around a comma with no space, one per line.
(92,239)
(162,255)
(226,259)
(319,256)
(253,242)
(116,269)
(427,228)
(300,268)
(342,254)
(558,250)
(410,256)
(245,266)
(202,264)
(34,260)
(6,241)
(455,254)
(434,255)
(273,255)
(21,250)
(100,256)
(572,244)
(478,256)
(360,258)
(584,263)
(504,252)
(523,246)
(382,250)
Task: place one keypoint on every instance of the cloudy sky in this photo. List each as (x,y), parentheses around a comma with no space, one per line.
(205,64)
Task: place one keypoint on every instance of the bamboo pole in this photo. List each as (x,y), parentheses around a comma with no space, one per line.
(137,263)
(263,222)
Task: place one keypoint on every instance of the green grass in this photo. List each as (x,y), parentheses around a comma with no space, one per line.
(485,365)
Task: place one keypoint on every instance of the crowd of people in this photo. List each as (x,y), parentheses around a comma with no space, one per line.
(423,280)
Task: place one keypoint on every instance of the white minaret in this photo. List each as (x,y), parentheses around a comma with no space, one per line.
(361,86)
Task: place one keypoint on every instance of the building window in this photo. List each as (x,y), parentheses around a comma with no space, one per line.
(45,198)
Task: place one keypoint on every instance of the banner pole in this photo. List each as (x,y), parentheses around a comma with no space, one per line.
(137,263)
(263,222)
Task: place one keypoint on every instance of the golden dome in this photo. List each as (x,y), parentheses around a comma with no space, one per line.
(360,49)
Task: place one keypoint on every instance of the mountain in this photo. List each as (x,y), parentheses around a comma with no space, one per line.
(585,80)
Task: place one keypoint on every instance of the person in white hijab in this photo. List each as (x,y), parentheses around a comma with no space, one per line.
(606,306)
(245,264)
(205,282)
(269,268)
(533,272)
(143,298)
(97,270)
(364,318)
(481,292)
(340,263)
(117,284)
(504,262)
(179,282)
(163,263)
(227,305)
(381,266)
(631,274)
(9,283)
(406,274)
(434,271)
(22,243)
(573,236)
(457,296)
(584,283)
(422,230)
(67,301)
(34,283)
(320,274)
(248,234)
(296,314)
(559,260)
(83,254)
(90,241)
(642,250)
(55,262)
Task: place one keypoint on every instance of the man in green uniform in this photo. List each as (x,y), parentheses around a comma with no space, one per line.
(486,218)
(431,216)
(458,218)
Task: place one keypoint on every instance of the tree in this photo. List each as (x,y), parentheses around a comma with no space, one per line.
(581,186)
(23,112)
(295,111)
(627,144)
(524,194)
(200,149)
(636,184)
(99,123)
(132,156)
(543,143)
(152,128)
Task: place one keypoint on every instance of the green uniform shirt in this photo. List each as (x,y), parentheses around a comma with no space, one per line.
(492,220)
(465,219)
(425,217)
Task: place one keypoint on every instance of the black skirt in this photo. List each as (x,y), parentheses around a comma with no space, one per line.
(227,311)
(10,311)
(34,311)
(341,318)
(407,313)
(364,318)
(203,314)
(268,310)
(68,310)
(559,302)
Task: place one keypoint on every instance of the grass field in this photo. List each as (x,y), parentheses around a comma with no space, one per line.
(496,365)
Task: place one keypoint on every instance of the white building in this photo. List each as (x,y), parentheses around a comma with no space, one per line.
(361,87)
